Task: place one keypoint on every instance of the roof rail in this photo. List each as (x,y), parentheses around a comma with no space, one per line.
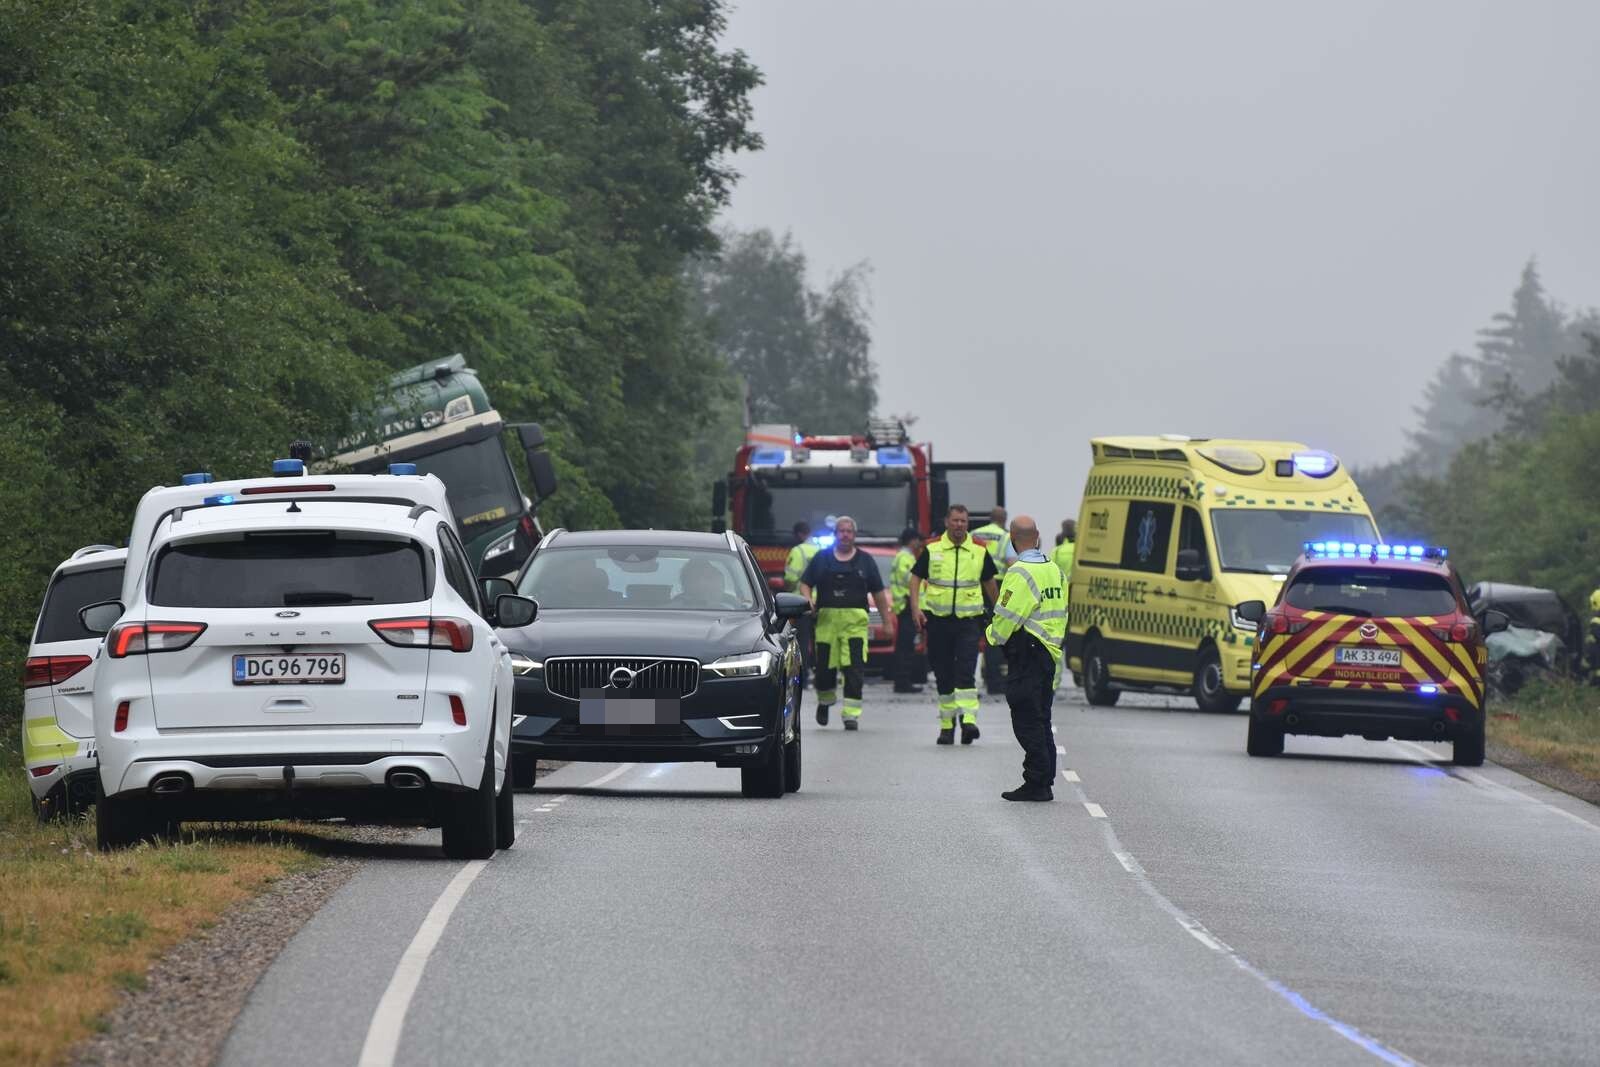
(89,550)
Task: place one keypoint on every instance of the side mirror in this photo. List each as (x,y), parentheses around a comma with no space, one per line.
(1252,611)
(100,618)
(513,611)
(531,434)
(792,605)
(1495,621)
(492,589)
(542,468)
(1191,568)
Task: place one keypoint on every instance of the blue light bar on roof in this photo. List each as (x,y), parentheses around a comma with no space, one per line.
(1315,464)
(288,468)
(197,478)
(894,456)
(220,498)
(767,457)
(402,468)
(1350,550)
(823,540)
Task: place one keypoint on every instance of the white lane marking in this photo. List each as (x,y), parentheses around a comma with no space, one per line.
(383,1035)
(1061,750)
(559,799)
(1195,929)
(1070,775)
(610,776)
(1095,810)
(545,808)
(1420,755)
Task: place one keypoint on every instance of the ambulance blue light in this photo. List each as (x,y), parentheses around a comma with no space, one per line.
(1315,464)
(220,498)
(402,468)
(767,457)
(288,467)
(197,478)
(1427,690)
(894,457)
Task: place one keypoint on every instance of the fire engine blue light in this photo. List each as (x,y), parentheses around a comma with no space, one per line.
(767,457)
(197,478)
(894,457)
(220,498)
(402,468)
(288,466)
(1427,690)
(799,439)
(823,540)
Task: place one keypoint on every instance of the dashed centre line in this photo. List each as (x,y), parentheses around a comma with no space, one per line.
(1094,809)
(1071,776)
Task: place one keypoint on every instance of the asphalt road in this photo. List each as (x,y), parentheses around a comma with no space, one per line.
(1350,903)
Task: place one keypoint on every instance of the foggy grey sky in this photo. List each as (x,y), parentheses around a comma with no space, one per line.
(1267,219)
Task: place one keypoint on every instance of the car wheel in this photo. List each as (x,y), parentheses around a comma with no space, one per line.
(524,770)
(1097,678)
(469,816)
(766,778)
(1469,746)
(121,822)
(1209,692)
(505,814)
(1264,739)
(791,762)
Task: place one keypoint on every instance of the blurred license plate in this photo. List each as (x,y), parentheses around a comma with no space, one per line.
(298,669)
(628,711)
(1357,656)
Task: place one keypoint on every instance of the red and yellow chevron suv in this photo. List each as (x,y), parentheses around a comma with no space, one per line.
(1375,640)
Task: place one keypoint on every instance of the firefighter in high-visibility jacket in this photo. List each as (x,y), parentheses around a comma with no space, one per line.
(1594,637)
(995,540)
(805,627)
(1030,625)
(950,582)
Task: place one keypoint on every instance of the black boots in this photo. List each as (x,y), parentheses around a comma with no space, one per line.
(1030,792)
(969,732)
(822,714)
(947,735)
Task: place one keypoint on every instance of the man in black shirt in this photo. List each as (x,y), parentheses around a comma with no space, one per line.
(842,580)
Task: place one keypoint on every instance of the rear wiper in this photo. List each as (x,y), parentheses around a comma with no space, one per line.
(321,596)
(1359,613)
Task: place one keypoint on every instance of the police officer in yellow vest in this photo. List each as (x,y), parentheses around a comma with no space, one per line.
(843,579)
(805,627)
(949,583)
(905,640)
(1594,637)
(1030,624)
(993,537)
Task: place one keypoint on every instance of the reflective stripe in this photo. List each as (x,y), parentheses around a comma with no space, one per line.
(851,709)
(826,696)
(958,584)
(1055,614)
(1033,586)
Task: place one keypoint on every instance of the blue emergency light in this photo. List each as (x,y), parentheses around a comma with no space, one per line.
(288,468)
(220,498)
(1315,464)
(1352,550)
(1428,690)
(823,540)
(767,457)
(197,478)
(402,468)
(894,456)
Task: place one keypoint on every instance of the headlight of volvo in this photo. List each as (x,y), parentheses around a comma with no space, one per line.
(521,665)
(749,665)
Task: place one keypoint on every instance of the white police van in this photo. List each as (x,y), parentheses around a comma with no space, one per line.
(307,647)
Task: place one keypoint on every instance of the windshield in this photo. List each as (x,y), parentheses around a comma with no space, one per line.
(642,577)
(1268,542)
(478,480)
(295,570)
(1368,592)
(70,592)
(880,509)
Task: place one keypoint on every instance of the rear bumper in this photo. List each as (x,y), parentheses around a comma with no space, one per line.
(1323,712)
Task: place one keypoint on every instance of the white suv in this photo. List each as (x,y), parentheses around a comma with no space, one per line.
(58,684)
(309,648)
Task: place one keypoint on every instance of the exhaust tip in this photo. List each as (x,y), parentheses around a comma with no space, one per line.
(169,784)
(405,778)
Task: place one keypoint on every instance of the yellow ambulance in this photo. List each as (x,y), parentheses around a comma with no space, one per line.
(1174,532)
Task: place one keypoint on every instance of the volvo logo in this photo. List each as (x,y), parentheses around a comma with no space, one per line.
(288,614)
(622,678)
(1369,631)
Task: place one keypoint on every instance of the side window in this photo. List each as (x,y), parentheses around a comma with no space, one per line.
(1146,536)
(760,580)
(1192,534)
(456,571)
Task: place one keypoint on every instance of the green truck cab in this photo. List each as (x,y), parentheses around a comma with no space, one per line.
(439,418)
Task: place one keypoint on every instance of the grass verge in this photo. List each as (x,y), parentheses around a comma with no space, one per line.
(1553,722)
(77,928)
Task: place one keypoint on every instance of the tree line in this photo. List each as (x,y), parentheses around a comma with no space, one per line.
(1500,466)
(224,222)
